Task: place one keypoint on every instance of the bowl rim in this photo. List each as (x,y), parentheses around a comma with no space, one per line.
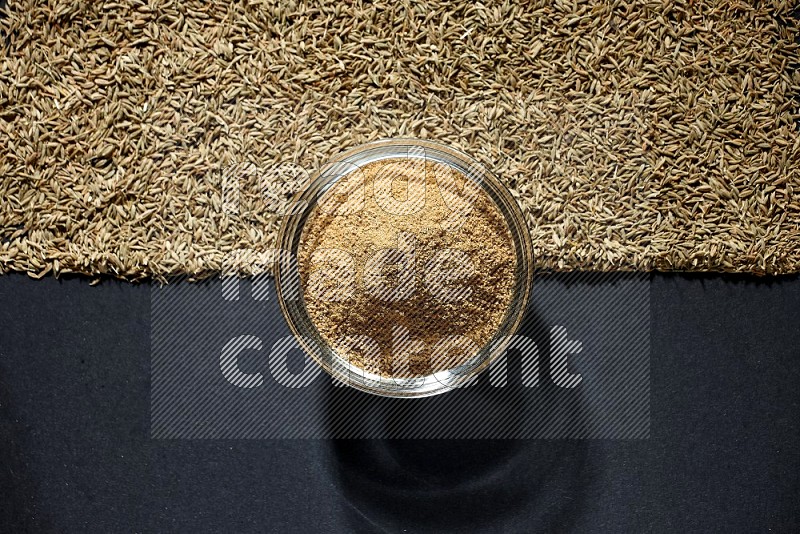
(289,238)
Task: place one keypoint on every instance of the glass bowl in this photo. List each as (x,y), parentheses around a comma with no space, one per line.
(291,298)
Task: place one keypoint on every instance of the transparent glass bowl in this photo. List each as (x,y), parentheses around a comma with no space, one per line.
(290,296)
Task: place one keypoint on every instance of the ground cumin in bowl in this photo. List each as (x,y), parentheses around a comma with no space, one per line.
(406,268)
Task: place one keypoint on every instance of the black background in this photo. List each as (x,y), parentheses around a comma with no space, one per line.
(75,451)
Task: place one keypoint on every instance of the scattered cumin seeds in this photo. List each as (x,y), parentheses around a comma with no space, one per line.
(636,135)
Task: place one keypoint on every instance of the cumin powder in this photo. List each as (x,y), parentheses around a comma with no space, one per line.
(411,256)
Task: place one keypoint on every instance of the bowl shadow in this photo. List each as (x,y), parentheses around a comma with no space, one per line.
(455,461)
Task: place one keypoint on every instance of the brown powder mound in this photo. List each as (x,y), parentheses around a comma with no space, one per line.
(636,134)
(400,300)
